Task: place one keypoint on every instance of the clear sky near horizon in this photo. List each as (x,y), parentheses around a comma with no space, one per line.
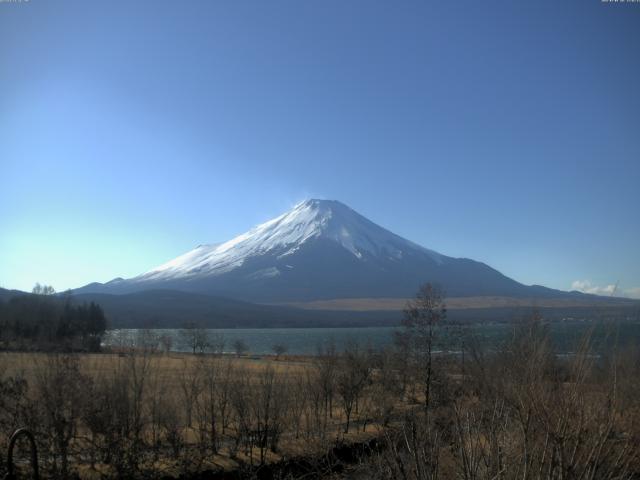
(503,131)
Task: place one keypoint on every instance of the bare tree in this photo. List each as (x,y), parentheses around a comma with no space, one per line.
(43,289)
(240,347)
(223,392)
(352,377)
(388,387)
(299,401)
(279,349)
(239,399)
(421,317)
(326,362)
(207,404)
(195,338)
(315,416)
(268,411)
(191,380)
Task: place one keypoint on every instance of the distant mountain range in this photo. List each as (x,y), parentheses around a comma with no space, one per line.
(321,250)
(323,264)
(173,308)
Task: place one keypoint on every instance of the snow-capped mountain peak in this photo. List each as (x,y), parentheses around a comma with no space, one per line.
(320,249)
(284,235)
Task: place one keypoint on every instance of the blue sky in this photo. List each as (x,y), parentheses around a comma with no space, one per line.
(507,132)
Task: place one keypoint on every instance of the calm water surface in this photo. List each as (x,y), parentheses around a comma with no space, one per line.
(305,341)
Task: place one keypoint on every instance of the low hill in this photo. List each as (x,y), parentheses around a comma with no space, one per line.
(172,309)
(7,294)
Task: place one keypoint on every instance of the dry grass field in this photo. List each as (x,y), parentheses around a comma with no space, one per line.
(187,413)
(460,303)
(172,365)
(518,412)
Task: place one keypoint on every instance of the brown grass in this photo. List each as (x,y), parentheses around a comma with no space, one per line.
(168,370)
(457,303)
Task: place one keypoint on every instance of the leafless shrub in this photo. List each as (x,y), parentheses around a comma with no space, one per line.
(59,386)
(15,408)
(412,452)
(116,414)
(171,425)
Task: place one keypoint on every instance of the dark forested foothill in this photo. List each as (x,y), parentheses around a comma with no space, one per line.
(45,321)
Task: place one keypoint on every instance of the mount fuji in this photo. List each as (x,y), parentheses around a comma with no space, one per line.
(320,250)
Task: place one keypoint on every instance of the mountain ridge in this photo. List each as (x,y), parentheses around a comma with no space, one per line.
(320,250)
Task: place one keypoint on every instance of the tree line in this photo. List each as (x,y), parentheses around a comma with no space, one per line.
(45,321)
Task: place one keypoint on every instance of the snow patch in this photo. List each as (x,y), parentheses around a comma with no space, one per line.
(285,235)
(264,273)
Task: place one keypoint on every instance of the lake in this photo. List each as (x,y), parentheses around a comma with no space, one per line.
(305,341)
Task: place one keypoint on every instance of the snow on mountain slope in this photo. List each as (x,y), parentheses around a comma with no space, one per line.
(319,250)
(284,235)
